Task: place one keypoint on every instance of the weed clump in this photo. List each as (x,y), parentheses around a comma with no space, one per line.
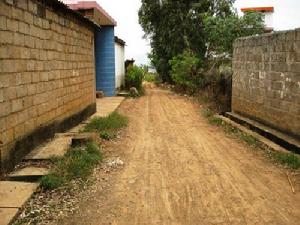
(287,159)
(107,126)
(77,163)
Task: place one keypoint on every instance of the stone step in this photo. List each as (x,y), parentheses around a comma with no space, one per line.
(7,215)
(29,174)
(13,195)
(55,148)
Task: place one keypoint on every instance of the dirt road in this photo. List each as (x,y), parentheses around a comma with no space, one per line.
(179,170)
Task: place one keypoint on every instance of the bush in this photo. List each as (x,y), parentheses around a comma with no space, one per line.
(134,77)
(151,77)
(185,71)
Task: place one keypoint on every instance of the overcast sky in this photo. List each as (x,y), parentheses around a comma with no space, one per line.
(125,12)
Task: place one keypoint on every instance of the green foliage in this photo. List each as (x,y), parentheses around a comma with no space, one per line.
(288,159)
(106,135)
(134,77)
(222,31)
(207,113)
(77,163)
(215,121)
(185,71)
(173,26)
(151,77)
(107,126)
(52,181)
(206,28)
(112,122)
(250,140)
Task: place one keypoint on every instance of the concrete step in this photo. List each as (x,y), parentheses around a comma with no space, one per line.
(7,215)
(55,148)
(13,195)
(268,143)
(284,140)
(28,174)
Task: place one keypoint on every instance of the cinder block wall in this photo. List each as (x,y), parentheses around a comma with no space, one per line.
(266,79)
(47,74)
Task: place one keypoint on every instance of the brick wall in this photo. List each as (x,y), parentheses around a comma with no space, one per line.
(266,79)
(46,72)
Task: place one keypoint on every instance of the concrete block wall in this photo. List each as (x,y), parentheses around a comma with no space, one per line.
(47,72)
(266,79)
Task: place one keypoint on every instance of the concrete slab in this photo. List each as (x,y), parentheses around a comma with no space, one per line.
(282,139)
(15,194)
(30,171)
(57,147)
(262,139)
(107,105)
(7,214)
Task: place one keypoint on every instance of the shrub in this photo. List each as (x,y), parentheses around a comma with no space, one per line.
(185,71)
(151,77)
(134,77)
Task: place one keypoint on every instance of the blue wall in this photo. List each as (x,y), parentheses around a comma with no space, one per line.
(105,60)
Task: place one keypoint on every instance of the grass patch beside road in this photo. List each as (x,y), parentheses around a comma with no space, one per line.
(78,162)
(107,127)
(288,159)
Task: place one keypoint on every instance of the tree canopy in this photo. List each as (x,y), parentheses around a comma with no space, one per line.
(173,26)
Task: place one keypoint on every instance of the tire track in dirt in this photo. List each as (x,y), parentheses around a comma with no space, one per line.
(179,170)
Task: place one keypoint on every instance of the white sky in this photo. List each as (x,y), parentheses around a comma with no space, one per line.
(125,12)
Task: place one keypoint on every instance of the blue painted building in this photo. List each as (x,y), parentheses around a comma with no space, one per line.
(105,60)
(104,44)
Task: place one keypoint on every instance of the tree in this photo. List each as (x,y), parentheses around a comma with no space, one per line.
(197,26)
(173,26)
(221,32)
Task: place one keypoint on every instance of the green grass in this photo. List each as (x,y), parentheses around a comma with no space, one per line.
(106,135)
(77,163)
(215,121)
(287,159)
(107,126)
(250,140)
(207,113)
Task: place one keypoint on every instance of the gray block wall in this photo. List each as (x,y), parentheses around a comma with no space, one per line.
(266,79)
